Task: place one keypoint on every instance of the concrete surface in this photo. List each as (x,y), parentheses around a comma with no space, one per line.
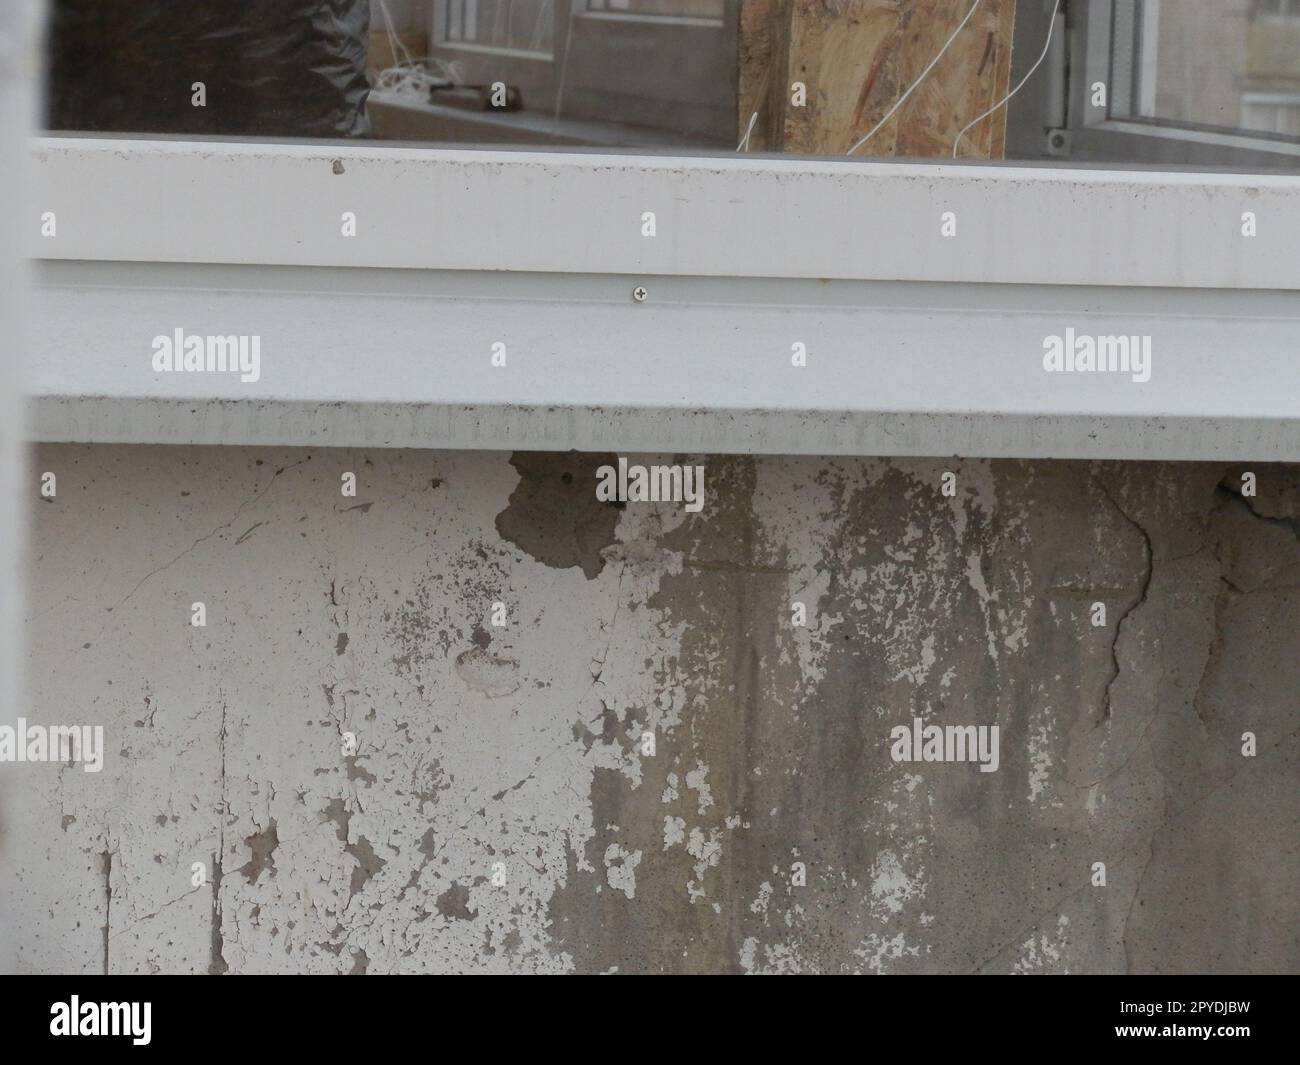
(500,812)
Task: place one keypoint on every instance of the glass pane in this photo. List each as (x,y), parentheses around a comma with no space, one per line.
(965,80)
(712,9)
(1233,64)
(521,25)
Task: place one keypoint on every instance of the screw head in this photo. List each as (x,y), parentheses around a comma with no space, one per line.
(639,294)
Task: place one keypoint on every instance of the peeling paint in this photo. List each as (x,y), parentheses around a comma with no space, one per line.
(503,808)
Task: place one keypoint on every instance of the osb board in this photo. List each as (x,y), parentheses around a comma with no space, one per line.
(857,57)
(764,41)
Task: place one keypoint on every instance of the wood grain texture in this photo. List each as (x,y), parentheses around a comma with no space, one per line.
(857,57)
(764,49)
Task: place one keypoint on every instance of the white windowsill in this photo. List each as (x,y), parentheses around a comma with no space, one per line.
(917,344)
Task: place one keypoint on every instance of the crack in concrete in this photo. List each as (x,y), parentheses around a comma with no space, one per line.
(1226,496)
(148,916)
(541,761)
(107,859)
(1149,572)
(1214,651)
(1055,907)
(249,532)
(1137,890)
(1166,819)
(208,536)
(618,605)
(217,955)
(1143,591)
(1292,525)
(1137,746)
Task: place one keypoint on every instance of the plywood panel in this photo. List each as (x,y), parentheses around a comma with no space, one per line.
(857,57)
(764,41)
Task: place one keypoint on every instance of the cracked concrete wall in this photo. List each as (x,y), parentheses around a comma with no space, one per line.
(500,810)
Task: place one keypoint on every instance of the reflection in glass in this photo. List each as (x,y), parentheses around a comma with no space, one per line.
(1211,83)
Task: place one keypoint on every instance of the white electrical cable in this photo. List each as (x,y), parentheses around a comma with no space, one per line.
(564,68)
(1051,25)
(911,88)
(413,78)
(559,89)
(743,146)
(545,14)
(394,42)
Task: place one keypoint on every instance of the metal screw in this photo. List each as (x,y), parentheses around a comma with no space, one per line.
(639,294)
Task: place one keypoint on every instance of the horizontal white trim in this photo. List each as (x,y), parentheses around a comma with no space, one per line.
(719,216)
(496,50)
(402,359)
(1288,99)
(1167,129)
(702,21)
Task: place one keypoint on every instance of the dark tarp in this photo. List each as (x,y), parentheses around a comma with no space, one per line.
(278,68)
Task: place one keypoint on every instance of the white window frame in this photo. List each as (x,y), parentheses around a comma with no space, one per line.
(1119,130)
(1289,11)
(1276,100)
(438,37)
(595,12)
(727,215)
(918,344)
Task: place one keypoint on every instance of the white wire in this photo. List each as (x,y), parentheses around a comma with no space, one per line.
(911,88)
(1051,25)
(416,79)
(564,69)
(743,146)
(413,78)
(545,14)
(394,42)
